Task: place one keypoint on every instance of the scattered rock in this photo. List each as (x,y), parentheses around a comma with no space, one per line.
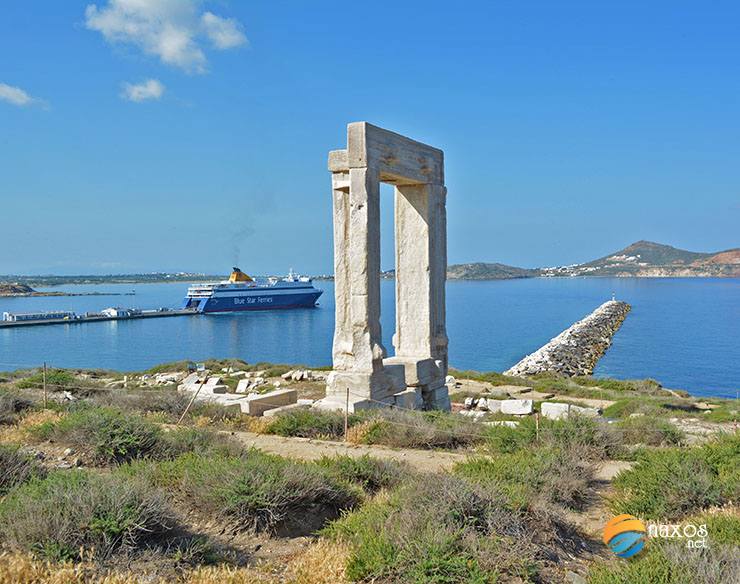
(517,407)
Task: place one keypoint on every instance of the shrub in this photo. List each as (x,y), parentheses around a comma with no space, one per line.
(406,429)
(55,378)
(308,423)
(669,483)
(11,405)
(255,491)
(106,434)
(669,563)
(534,477)
(371,474)
(16,468)
(441,530)
(650,431)
(68,511)
(591,438)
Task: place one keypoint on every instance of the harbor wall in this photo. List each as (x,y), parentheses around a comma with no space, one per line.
(577,349)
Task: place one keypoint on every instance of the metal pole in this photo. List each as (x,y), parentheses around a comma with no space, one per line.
(346,416)
(44,382)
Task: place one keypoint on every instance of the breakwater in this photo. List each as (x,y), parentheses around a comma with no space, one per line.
(577,349)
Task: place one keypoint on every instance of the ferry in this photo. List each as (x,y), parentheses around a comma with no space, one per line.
(241,292)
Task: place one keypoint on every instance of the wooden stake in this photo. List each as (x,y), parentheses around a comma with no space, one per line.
(346,416)
(202,383)
(44,382)
(537,426)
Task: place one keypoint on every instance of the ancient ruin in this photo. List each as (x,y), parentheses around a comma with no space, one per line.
(363,375)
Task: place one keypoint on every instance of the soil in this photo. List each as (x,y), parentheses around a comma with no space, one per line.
(312,449)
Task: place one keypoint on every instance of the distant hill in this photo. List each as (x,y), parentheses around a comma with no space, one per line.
(649,259)
(485,271)
(641,259)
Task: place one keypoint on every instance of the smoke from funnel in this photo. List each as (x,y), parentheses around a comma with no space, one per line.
(237,240)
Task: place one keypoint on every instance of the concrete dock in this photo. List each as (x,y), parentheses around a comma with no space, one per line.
(98,318)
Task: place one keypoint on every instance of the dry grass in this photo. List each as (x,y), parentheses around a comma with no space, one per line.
(322,563)
(20,432)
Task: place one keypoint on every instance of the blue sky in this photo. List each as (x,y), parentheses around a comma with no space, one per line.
(176,135)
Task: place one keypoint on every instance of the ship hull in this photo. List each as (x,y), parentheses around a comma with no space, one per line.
(256,301)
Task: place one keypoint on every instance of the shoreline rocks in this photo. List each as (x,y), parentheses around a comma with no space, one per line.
(577,349)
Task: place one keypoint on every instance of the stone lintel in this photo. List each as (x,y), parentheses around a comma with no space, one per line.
(399,159)
(338,161)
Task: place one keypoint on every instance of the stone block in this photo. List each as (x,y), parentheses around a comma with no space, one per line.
(243,386)
(257,405)
(494,405)
(581,411)
(517,407)
(408,400)
(554,410)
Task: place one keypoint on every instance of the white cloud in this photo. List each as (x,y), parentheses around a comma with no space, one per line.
(149,89)
(169,29)
(16,96)
(225,33)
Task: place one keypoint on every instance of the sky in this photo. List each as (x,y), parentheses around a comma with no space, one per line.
(148,135)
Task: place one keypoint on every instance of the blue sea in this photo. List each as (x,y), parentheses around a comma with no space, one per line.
(683,332)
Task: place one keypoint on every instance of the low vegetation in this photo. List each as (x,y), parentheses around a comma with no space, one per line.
(253,491)
(16,468)
(671,483)
(443,529)
(173,499)
(66,512)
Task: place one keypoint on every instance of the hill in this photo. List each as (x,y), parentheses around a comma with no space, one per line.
(488,271)
(640,259)
(650,259)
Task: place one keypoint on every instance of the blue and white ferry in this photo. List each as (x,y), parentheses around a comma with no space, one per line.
(241,292)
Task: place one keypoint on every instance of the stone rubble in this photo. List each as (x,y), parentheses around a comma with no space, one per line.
(577,349)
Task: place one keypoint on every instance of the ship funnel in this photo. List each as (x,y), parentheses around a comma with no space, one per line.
(238,276)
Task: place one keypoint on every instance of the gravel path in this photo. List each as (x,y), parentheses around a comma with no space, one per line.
(310,449)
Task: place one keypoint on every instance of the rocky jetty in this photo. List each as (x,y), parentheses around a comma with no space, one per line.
(577,349)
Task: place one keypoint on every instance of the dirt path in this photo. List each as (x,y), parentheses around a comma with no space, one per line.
(310,449)
(592,519)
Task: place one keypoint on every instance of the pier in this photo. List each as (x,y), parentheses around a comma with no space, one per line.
(578,348)
(98,318)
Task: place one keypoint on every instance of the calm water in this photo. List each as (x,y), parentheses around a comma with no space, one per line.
(683,332)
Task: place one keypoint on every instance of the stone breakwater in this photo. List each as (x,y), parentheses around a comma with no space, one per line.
(577,349)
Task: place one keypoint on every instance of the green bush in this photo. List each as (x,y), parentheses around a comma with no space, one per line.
(68,511)
(16,468)
(371,474)
(650,431)
(106,434)
(254,491)
(671,563)
(534,477)
(670,483)
(55,379)
(410,429)
(309,423)
(590,437)
(440,530)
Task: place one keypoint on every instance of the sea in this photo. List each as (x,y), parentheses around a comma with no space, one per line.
(682,332)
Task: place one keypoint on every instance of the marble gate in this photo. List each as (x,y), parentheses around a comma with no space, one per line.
(415,376)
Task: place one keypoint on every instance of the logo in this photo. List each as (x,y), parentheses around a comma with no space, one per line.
(625,535)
